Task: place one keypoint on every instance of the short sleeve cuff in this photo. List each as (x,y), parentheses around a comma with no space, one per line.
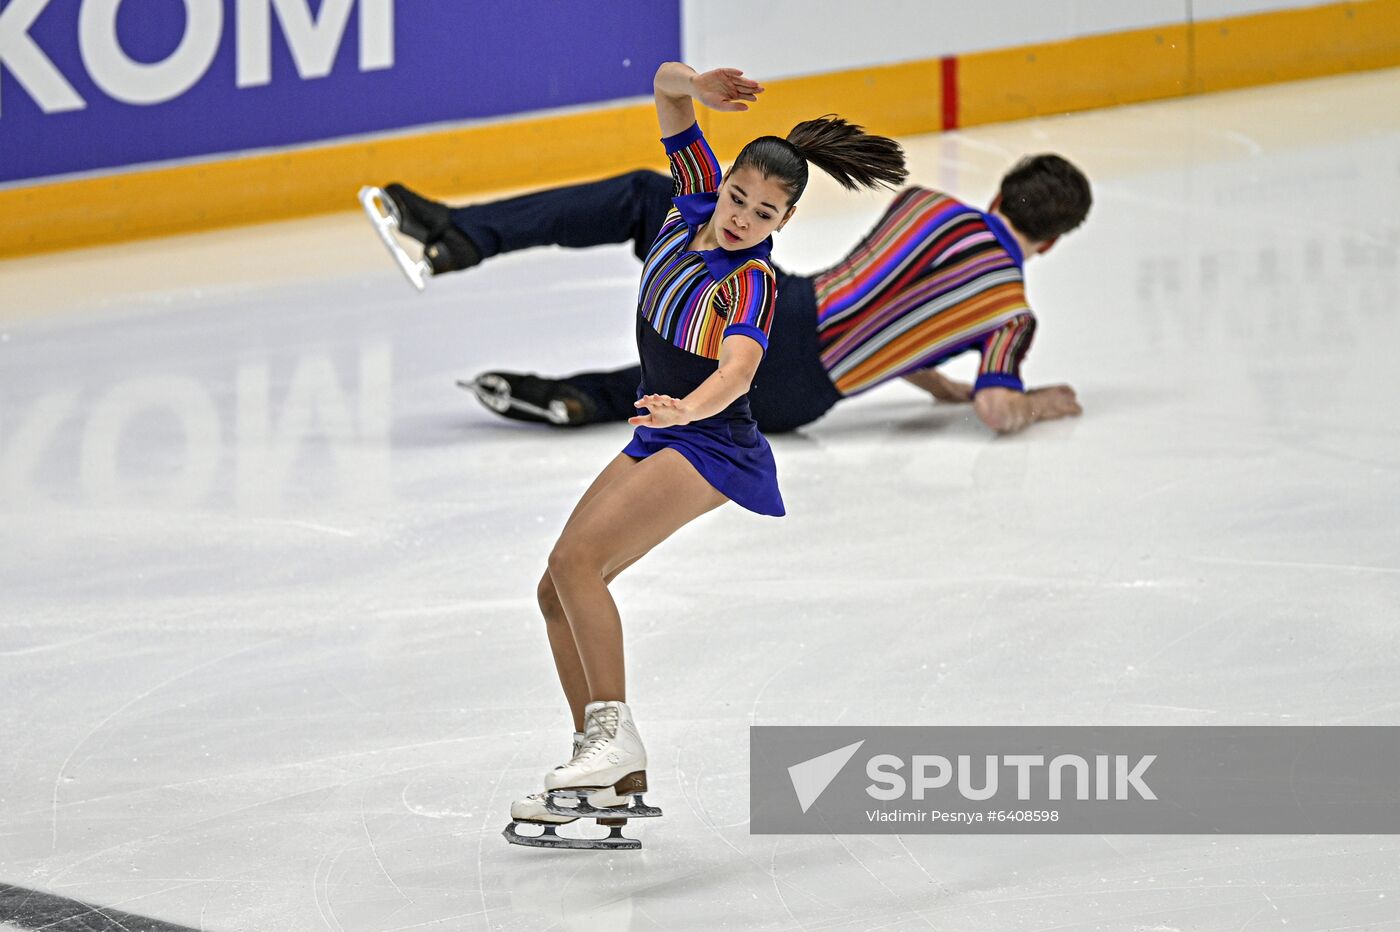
(750,331)
(998,380)
(682,139)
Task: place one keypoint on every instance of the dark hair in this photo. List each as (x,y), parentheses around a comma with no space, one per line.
(1045,196)
(842,150)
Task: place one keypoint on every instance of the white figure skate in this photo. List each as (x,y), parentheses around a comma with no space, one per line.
(534,810)
(609,767)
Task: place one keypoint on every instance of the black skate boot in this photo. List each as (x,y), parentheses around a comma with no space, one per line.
(446,248)
(415,215)
(531,398)
(395,208)
(451,252)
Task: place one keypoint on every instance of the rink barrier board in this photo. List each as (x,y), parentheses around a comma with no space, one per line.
(296,182)
(1296,45)
(905,99)
(1079,74)
(895,100)
(1176,60)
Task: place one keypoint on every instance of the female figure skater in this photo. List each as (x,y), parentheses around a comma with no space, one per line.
(704,310)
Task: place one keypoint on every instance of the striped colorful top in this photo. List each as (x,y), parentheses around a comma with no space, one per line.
(935,278)
(689,303)
(693,300)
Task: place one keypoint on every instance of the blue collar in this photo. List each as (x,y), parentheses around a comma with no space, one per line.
(1003,235)
(696,210)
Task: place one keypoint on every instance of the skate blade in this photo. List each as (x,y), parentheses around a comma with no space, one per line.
(583,809)
(549,838)
(501,401)
(373,200)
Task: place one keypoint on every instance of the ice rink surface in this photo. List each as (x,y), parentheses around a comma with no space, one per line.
(269,655)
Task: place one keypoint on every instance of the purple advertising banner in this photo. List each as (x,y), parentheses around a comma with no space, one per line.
(95,84)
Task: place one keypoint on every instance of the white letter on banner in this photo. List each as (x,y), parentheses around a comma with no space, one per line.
(134,82)
(314,42)
(922,781)
(1023,764)
(988,790)
(27,62)
(376,35)
(884,768)
(1081,773)
(1134,777)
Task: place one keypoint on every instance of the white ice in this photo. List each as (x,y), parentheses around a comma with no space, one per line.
(269,655)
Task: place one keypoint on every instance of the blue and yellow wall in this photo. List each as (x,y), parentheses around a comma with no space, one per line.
(147,117)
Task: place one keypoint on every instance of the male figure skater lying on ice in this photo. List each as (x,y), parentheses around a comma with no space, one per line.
(933,278)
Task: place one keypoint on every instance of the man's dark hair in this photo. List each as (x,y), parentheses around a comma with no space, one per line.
(1045,196)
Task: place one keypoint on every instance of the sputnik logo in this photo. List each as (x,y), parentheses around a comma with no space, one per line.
(811,777)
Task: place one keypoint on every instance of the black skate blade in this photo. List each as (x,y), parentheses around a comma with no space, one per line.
(615,841)
(640,810)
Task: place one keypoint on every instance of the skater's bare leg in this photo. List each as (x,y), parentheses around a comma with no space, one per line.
(561,636)
(562,644)
(625,518)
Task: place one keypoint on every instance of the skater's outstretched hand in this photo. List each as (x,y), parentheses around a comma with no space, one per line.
(676,84)
(739,356)
(1007,411)
(665,411)
(725,89)
(1055,401)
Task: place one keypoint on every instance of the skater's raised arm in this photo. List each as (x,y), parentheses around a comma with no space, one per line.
(676,83)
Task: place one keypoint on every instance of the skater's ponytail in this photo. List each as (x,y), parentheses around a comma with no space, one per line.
(843,150)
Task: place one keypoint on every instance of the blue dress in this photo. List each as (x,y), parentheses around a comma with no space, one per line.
(689,302)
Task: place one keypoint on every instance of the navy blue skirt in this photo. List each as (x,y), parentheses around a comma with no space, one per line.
(732,456)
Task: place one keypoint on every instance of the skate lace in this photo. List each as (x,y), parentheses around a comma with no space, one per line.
(600,729)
